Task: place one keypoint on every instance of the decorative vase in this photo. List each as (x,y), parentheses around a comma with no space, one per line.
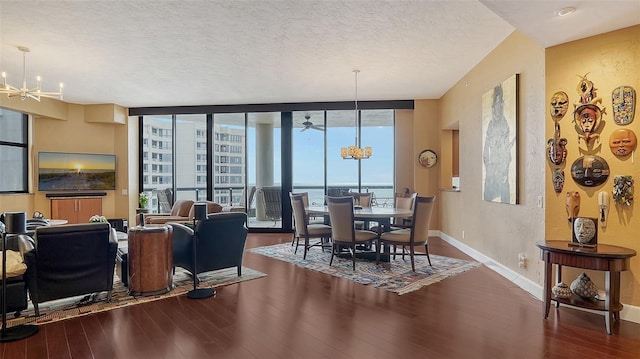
(584,287)
(562,291)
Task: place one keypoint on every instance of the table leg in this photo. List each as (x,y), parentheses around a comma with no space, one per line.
(558,279)
(546,303)
(607,302)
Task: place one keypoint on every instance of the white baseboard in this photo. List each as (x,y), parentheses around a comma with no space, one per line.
(629,312)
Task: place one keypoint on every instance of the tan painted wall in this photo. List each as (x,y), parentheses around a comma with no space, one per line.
(63,127)
(426,134)
(611,60)
(499,231)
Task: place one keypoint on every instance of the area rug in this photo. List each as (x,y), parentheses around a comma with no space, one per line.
(77,306)
(396,276)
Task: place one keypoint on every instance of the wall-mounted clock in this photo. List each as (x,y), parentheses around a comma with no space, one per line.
(428,158)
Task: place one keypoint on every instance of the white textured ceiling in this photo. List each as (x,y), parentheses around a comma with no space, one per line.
(177,53)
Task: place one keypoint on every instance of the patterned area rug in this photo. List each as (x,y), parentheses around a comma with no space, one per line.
(77,306)
(395,277)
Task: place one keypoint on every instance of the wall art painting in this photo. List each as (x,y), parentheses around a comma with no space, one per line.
(500,142)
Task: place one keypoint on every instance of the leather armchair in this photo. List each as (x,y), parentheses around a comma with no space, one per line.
(70,260)
(183,213)
(179,213)
(220,243)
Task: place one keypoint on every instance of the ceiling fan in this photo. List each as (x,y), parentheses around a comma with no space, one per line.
(308,124)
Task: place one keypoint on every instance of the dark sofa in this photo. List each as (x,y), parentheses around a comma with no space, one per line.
(70,260)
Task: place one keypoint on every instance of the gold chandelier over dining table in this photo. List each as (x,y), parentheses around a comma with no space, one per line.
(356,152)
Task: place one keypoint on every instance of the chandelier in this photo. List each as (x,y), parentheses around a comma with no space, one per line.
(24,92)
(356,152)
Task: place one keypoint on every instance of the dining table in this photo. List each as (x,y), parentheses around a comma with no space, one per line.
(381,215)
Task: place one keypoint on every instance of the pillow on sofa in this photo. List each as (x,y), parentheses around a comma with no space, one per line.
(15,264)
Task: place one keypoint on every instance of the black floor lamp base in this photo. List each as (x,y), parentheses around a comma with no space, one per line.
(18,332)
(201,293)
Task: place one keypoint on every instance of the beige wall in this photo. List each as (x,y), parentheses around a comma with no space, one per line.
(63,127)
(611,60)
(499,231)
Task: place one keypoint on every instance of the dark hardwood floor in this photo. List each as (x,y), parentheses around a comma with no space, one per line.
(298,313)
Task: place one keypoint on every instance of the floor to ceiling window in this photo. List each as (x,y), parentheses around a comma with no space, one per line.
(377,172)
(249,161)
(157,159)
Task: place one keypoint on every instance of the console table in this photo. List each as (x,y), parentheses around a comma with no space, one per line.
(608,258)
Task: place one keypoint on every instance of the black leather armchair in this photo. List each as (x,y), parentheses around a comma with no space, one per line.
(220,242)
(70,260)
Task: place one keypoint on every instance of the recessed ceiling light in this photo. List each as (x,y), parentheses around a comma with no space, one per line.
(566,11)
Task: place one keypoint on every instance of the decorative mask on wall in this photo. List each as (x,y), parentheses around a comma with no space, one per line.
(557,147)
(587,122)
(590,170)
(587,115)
(623,142)
(557,176)
(573,205)
(603,206)
(624,104)
(587,91)
(558,105)
(623,190)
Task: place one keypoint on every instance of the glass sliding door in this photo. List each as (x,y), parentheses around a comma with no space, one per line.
(342,175)
(190,150)
(377,172)
(264,168)
(157,158)
(229,167)
(308,155)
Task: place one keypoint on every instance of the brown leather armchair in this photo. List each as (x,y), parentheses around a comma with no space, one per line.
(182,211)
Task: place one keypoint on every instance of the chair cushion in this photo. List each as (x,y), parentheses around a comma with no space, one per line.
(401,235)
(364,236)
(318,229)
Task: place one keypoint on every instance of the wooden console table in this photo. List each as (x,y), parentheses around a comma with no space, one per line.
(611,259)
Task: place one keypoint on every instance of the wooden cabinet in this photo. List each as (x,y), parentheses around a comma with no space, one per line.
(75,210)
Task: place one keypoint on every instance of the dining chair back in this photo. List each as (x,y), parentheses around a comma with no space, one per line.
(302,227)
(403,202)
(362,199)
(344,236)
(416,235)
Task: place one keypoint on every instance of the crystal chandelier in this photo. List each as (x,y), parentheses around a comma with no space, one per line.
(24,92)
(356,152)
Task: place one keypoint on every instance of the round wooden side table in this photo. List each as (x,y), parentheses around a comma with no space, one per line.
(150,259)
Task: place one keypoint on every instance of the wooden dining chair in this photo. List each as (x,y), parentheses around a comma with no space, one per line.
(416,235)
(305,230)
(344,236)
(403,202)
(364,200)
